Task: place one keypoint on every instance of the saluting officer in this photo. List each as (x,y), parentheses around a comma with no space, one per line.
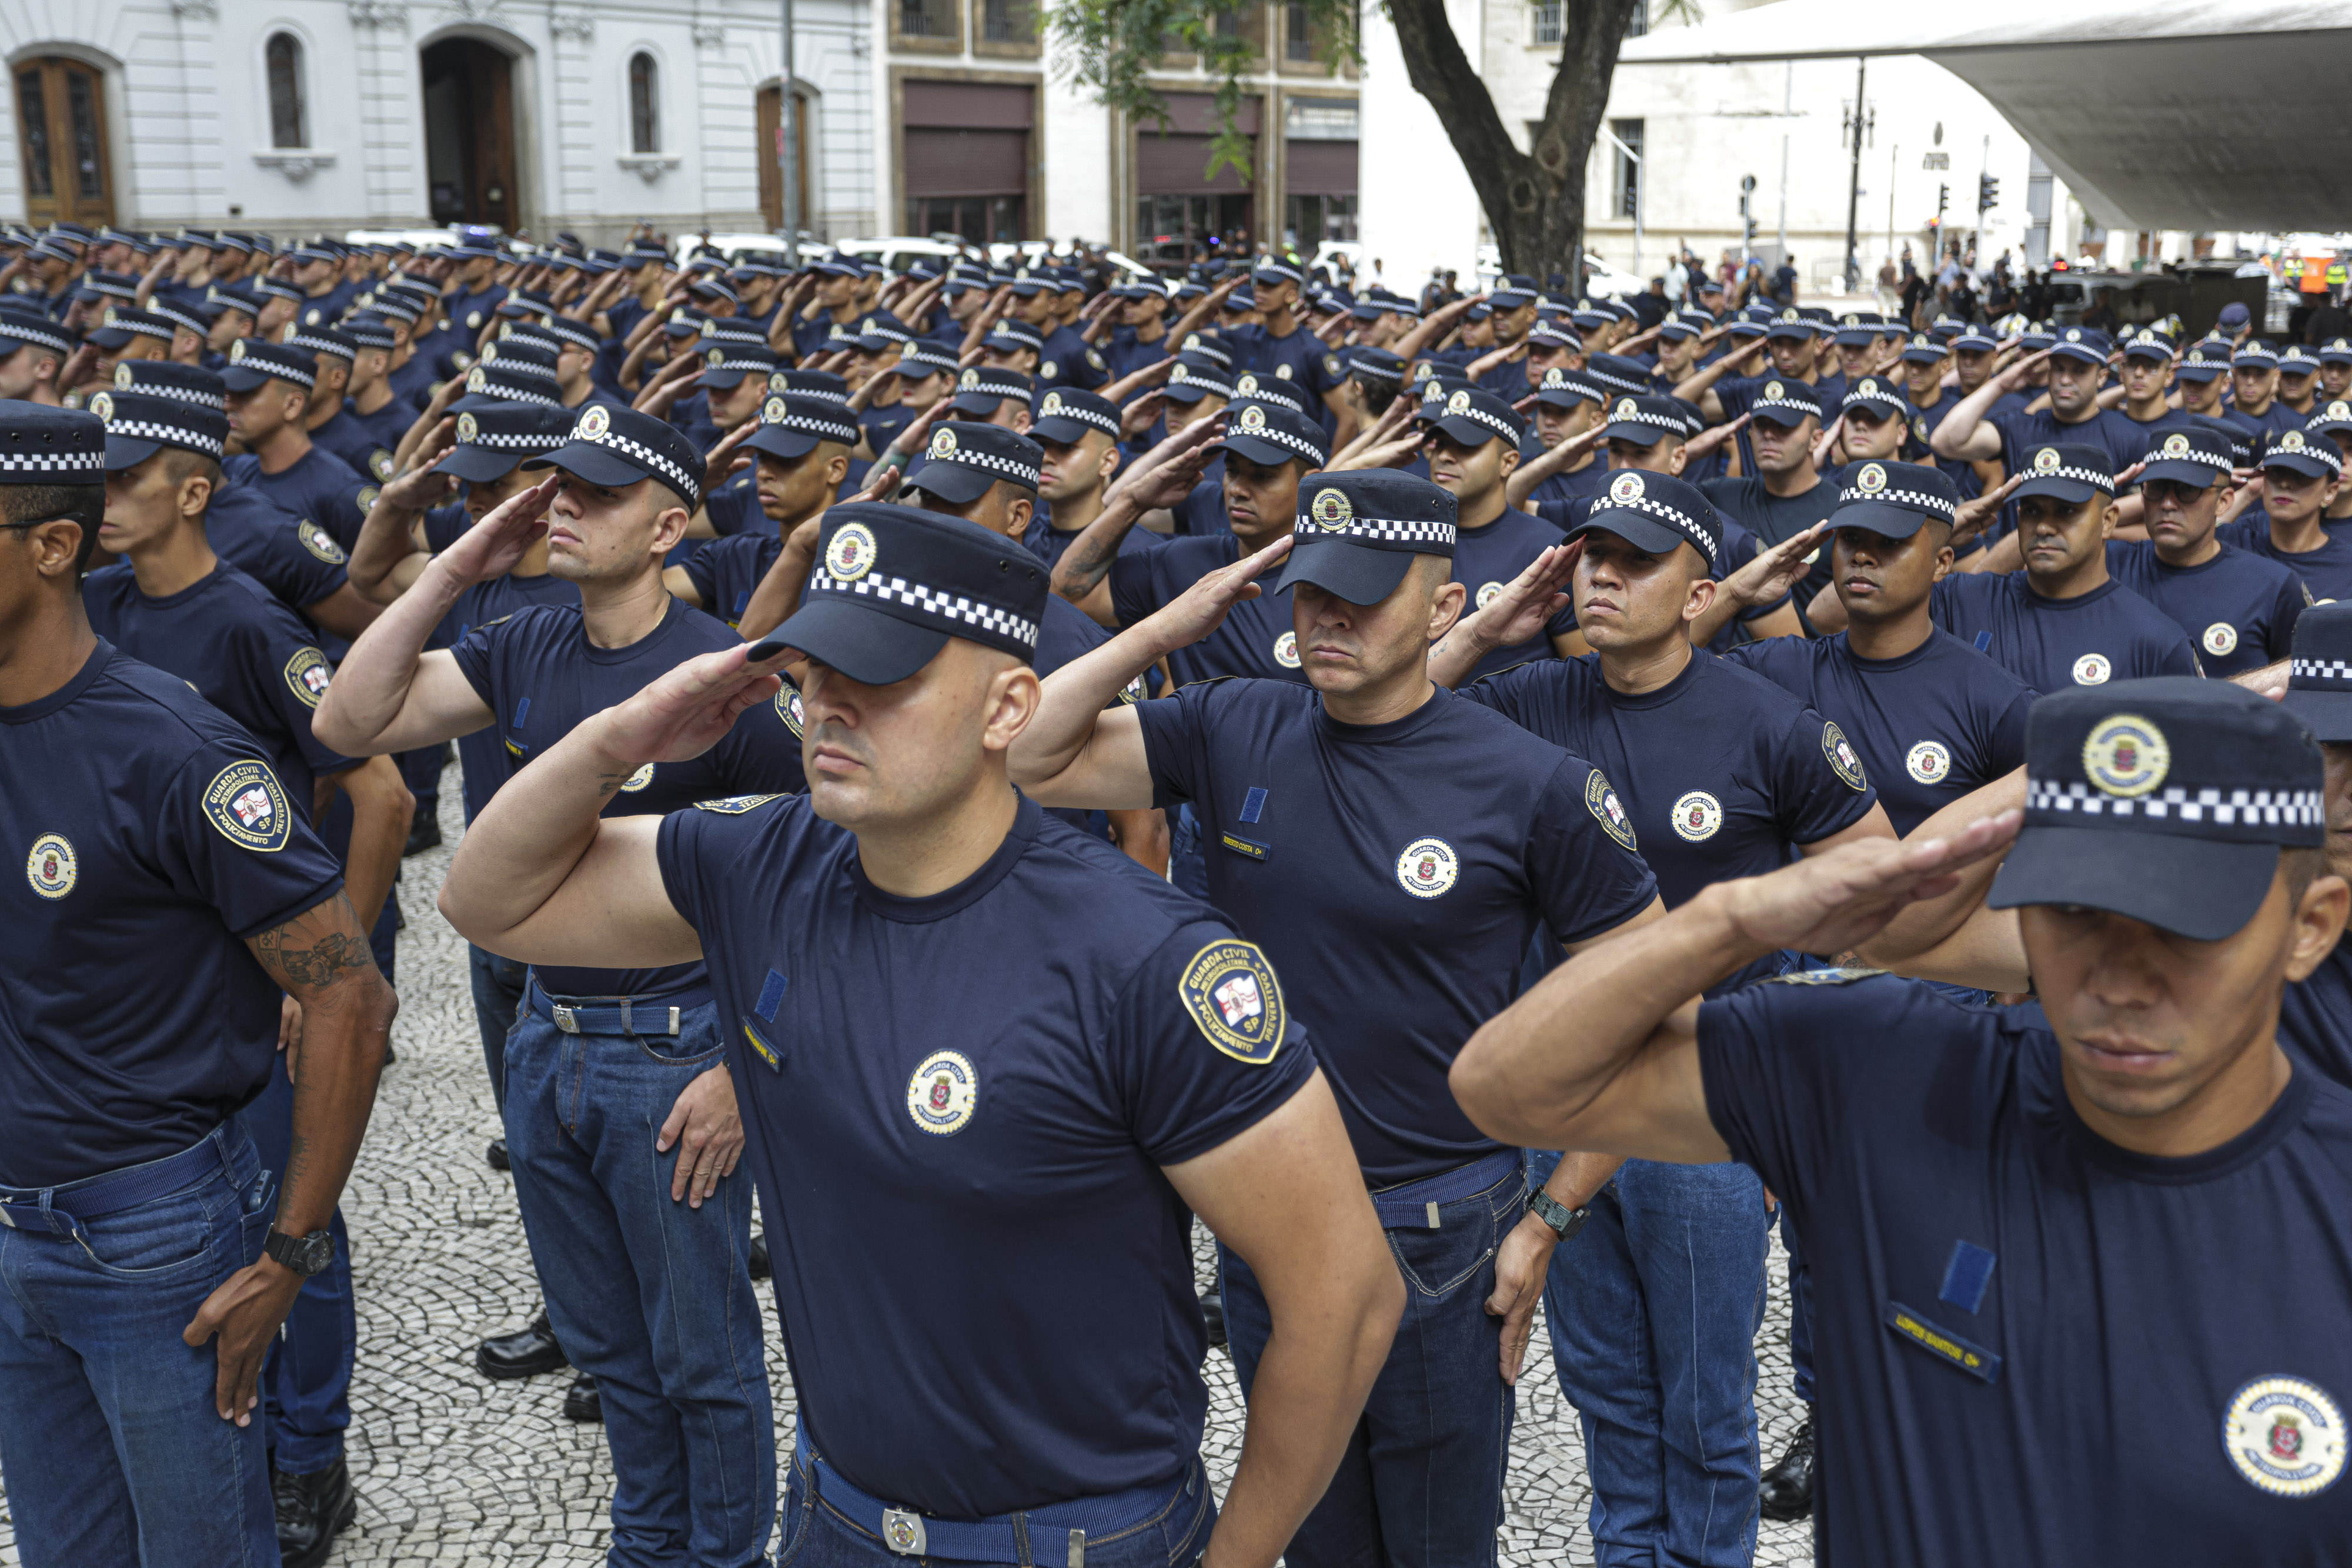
(1398,848)
(2239,608)
(1138,1064)
(172,896)
(2039,1237)
(2315,1013)
(2303,477)
(800,454)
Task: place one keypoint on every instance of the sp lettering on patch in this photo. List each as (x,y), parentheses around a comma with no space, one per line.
(1230,991)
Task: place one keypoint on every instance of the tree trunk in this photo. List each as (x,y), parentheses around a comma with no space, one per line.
(1534,202)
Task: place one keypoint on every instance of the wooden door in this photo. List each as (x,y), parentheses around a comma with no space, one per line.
(492,77)
(771,179)
(61,126)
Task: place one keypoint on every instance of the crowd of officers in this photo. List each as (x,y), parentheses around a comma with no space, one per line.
(1501,803)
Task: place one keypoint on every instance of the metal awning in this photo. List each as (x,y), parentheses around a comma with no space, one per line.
(2194,114)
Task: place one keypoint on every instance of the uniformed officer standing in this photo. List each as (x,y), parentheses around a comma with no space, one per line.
(2315,1013)
(1340,814)
(2239,608)
(1653,1310)
(157,843)
(269,387)
(2303,476)
(2040,1237)
(647,1284)
(2077,366)
(800,454)
(1138,1064)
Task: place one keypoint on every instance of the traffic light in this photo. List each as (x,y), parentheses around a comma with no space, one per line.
(1988,191)
(1943,202)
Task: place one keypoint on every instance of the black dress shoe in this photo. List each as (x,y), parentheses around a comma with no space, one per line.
(1212,1312)
(424,834)
(581,1402)
(497,1155)
(311,1509)
(1787,1490)
(760,1267)
(526,1352)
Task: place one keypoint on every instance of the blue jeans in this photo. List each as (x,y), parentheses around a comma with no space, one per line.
(108,1438)
(1421,1484)
(1653,1309)
(816,1535)
(651,1296)
(497,995)
(306,1385)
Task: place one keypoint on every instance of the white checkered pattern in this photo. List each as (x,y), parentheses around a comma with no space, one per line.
(1650,505)
(28,329)
(89,467)
(571,332)
(989,462)
(1106,423)
(846,432)
(686,484)
(1916,500)
(823,393)
(508,391)
(179,317)
(171,435)
(1477,415)
(1672,424)
(761,366)
(160,330)
(2319,454)
(2104,483)
(1787,404)
(2321,670)
(196,395)
(1298,444)
(2225,808)
(1622,383)
(927,361)
(1392,530)
(530,441)
(955,607)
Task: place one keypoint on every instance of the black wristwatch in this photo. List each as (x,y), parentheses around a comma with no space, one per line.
(1564,1221)
(306,1255)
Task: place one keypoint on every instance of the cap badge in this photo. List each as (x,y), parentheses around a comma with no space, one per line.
(865,326)
(2074,334)
(1247,385)
(1053,403)
(490,353)
(468,427)
(1626,488)
(942,1094)
(477,379)
(1625,409)
(2126,755)
(1869,387)
(1459,403)
(2339,411)
(122,378)
(236,350)
(2046,461)
(1428,867)
(1849,319)
(1191,341)
(594,421)
(968,378)
(2285,1436)
(110,317)
(1772,390)
(1790,316)
(773,411)
(1331,509)
(2176,444)
(2291,441)
(1253,418)
(1871,480)
(850,554)
(1921,341)
(1554,379)
(1432,392)
(943,443)
(716,358)
(710,327)
(1176,375)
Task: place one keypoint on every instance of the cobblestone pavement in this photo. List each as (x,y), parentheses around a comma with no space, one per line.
(455,1472)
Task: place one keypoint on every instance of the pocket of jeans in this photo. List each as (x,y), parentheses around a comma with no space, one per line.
(1438,1263)
(697,1043)
(155,1241)
(799,1510)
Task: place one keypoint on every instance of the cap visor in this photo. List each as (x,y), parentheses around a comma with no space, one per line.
(478,464)
(588,461)
(1061,431)
(719,378)
(112,337)
(2301,463)
(1884,518)
(1357,573)
(1640,434)
(776,441)
(1922,356)
(1789,329)
(1257,449)
(2203,889)
(2073,492)
(2327,715)
(975,402)
(2199,475)
(951,482)
(1461,431)
(1637,528)
(123,452)
(860,639)
(2201,372)
(2081,351)
(242,378)
(1188,391)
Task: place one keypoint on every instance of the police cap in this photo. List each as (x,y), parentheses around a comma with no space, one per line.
(1357,533)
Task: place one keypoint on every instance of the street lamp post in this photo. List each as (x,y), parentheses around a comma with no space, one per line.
(1857,125)
(788,146)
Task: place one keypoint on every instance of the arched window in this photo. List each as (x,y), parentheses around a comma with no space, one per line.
(287,126)
(644,104)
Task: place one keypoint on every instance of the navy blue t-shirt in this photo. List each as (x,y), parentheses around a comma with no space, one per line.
(1067,359)
(2108,633)
(727,572)
(2316,1015)
(541,677)
(1772,518)
(482,761)
(2124,439)
(366,442)
(1485,559)
(1931,725)
(1724,773)
(292,557)
(1049,544)
(734,508)
(2238,608)
(132,1019)
(1573,489)
(2326,571)
(2036,1346)
(1003,1068)
(249,656)
(1256,638)
(1298,357)
(1395,873)
(319,487)
(1924,422)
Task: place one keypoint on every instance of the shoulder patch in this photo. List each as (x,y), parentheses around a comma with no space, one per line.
(789,709)
(1823,976)
(1844,762)
(1231,993)
(735,805)
(1607,809)
(247,805)
(307,674)
(319,542)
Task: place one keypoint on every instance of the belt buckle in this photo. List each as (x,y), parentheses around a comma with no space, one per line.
(902,1532)
(564,1021)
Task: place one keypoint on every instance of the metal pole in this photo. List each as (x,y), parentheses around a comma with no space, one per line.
(1893,162)
(1787,108)
(788,145)
(1984,168)
(1854,189)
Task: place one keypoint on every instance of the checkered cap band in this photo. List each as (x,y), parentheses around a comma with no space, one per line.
(1298,444)
(511,392)
(1495,423)
(179,317)
(1622,383)
(1439,536)
(990,463)
(532,442)
(1914,500)
(198,396)
(171,435)
(2104,483)
(2332,672)
(27,329)
(318,345)
(1670,422)
(160,330)
(930,359)
(959,609)
(2272,448)
(1650,505)
(1791,404)
(686,484)
(67,467)
(571,332)
(277,290)
(763,366)
(1106,423)
(2063,804)
(846,431)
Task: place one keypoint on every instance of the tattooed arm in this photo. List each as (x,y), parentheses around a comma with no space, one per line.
(322,958)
